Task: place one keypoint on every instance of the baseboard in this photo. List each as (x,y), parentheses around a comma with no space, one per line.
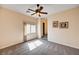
(64,44)
(9,45)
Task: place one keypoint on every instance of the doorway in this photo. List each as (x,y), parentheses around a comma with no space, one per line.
(43,29)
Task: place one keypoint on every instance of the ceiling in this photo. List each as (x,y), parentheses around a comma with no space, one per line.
(50,8)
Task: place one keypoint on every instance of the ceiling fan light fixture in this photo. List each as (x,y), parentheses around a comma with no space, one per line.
(38,12)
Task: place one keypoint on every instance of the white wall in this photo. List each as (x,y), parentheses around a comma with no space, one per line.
(70,36)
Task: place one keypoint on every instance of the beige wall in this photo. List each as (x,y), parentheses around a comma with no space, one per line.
(70,36)
(11,27)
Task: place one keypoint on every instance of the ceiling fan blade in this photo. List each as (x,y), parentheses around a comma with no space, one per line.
(33,13)
(31,10)
(28,11)
(43,12)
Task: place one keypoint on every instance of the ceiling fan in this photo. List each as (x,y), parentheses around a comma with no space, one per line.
(37,11)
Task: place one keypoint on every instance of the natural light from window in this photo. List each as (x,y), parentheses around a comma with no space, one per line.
(33,28)
(35,44)
(27,29)
(30,29)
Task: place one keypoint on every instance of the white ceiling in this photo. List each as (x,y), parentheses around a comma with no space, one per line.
(50,8)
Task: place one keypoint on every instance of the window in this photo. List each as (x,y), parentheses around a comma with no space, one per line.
(33,28)
(30,29)
(27,29)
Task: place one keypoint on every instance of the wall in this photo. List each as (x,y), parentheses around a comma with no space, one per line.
(70,36)
(11,27)
(39,28)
